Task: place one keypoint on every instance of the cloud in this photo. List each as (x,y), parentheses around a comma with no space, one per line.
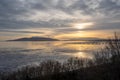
(13,31)
(58,14)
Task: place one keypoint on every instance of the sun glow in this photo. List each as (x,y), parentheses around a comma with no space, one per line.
(83,55)
(83,25)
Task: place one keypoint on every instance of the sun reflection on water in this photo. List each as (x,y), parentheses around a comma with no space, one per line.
(83,55)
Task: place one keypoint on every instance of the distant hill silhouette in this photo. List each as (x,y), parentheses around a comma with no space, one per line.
(83,39)
(35,39)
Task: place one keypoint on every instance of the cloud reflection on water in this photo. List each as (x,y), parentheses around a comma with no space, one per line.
(16,54)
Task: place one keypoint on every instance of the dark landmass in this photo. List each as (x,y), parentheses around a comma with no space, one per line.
(52,39)
(83,39)
(35,39)
(91,39)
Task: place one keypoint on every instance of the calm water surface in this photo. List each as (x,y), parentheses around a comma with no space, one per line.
(17,54)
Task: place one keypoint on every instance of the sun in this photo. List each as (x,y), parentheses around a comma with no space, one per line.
(82,25)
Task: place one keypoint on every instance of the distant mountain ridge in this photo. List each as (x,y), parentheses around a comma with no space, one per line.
(52,39)
(84,39)
(35,39)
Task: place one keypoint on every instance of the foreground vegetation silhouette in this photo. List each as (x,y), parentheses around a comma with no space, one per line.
(104,66)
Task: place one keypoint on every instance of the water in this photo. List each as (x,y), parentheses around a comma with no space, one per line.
(17,54)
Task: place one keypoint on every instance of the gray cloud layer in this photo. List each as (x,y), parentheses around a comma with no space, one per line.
(20,14)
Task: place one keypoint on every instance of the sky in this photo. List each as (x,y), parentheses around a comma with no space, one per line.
(62,19)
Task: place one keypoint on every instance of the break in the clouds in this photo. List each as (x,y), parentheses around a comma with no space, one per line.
(58,15)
